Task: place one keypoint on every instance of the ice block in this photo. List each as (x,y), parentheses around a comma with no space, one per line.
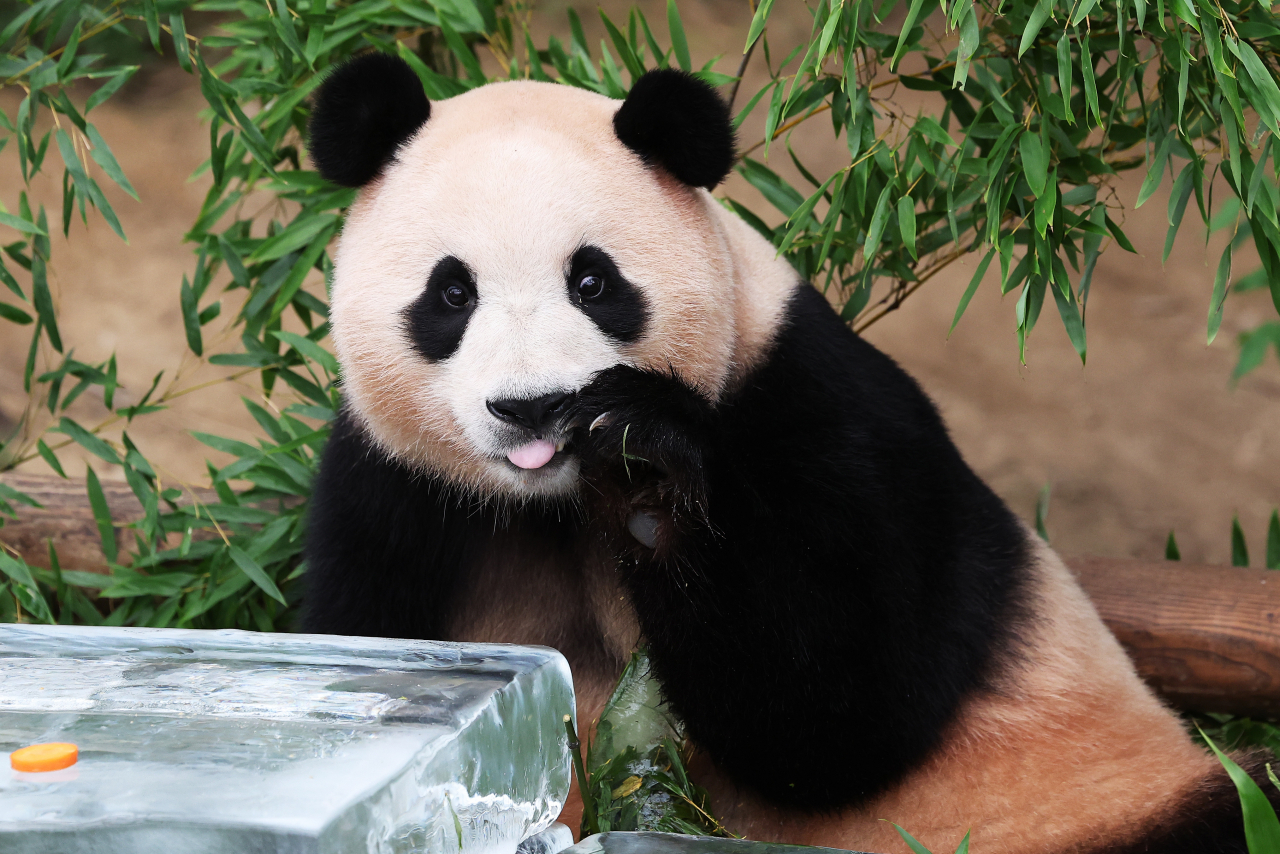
(672,843)
(230,742)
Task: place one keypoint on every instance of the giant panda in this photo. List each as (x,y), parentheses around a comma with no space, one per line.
(585,406)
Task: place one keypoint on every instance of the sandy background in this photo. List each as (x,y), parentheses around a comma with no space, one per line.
(1149,437)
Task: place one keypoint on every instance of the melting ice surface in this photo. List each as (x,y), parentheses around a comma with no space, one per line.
(229,742)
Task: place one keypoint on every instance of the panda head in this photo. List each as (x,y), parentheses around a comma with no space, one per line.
(507,245)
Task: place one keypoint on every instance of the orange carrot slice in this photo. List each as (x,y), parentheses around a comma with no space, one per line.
(53,756)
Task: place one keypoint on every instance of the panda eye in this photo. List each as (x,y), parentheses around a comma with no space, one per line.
(456,296)
(590,286)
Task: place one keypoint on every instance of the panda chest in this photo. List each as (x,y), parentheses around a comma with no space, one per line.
(547,584)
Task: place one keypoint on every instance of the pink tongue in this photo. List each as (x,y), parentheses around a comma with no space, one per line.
(534,455)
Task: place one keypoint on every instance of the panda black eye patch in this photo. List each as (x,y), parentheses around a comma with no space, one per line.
(436,320)
(597,288)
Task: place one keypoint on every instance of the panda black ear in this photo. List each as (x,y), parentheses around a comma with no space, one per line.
(676,121)
(364,110)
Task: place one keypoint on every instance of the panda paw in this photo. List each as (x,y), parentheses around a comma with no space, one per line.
(644,432)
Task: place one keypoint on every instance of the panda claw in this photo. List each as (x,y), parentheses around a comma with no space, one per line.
(601,420)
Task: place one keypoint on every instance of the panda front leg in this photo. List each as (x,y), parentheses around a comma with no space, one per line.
(819,578)
(387,548)
(721,626)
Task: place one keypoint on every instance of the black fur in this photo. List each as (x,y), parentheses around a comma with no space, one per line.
(388,549)
(830,578)
(1209,822)
(676,121)
(620,310)
(435,327)
(365,109)
(385,548)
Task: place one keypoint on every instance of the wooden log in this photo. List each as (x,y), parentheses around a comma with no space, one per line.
(1206,638)
(66,518)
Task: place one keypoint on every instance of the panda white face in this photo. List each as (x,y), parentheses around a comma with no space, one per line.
(514,249)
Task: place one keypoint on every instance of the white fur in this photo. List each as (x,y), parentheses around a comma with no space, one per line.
(512,178)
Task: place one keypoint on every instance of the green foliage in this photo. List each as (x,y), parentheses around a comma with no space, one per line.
(1273,540)
(634,776)
(917,848)
(1240,545)
(1239,549)
(1261,826)
(1039,106)
(1042,512)
(1171,551)
(1006,166)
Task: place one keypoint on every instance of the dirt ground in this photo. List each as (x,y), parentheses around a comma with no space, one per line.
(1149,437)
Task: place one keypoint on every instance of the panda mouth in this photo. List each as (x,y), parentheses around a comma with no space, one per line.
(540,454)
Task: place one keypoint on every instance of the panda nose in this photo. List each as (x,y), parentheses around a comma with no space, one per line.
(534,413)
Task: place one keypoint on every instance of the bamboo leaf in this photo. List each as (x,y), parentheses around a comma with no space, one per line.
(965,47)
(1035,161)
(929,127)
(1273,541)
(104,207)
(297,235)
(256,574)
(1261,827)
(69,51)
(1042,512)
(288,33)
(17,496)
(913,12)
(1155,172)
(87,440)
(1239,549)
(912,842)
(828,30)
(178,28)
(309,349)
(20,224)
(878,220)
(1119,235)
(101,514)
(1186,10)
(18,570)
(1082,11)
(971,289)
(1064,72)
(1069,311)
(1220,281)
(907,223)
(13,314)
(1262,79)
(1089,81)
(1035,22)
(101,154)
(1182,188)
(678,41)
(42,299)
(152,18)
(634,67)
(191,318)
(758,21)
